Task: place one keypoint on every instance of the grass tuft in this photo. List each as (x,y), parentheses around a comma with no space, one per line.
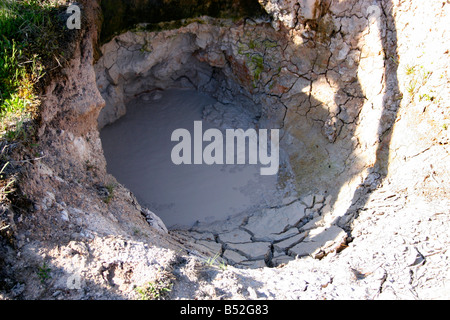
(157,290)
(31,36)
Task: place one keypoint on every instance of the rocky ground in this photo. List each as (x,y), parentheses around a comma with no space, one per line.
(398,250)
(269,237)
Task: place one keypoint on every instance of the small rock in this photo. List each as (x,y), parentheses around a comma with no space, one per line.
(253,250)
(252,293)
(319,198)
(271,222)
(308,201)
(201,235)
(18,289)
(379,274)
(253,264)
(309,212)
(64,215)
(235,236)
(282,236)
(283,245)
(317,207)
(289,200)
(154,220)
(56,293)
(213,247)
(414,257)
(326,209)
(281,259)
(233,257)
(319,242)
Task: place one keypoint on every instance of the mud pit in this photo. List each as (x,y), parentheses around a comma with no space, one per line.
(246,75)
(138,151)
(156,82)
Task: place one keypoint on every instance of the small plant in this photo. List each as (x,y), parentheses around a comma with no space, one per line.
(215,260)
(6,186)
(222,265)
(394,59)
(411,88)
(426,97)
(270,43)
(89,166)
(16,131)
(409,70)
(154,290)
(418,78)
(110,188)
(256,65)
(43,272)
(211,261)
(139,233)
(252,44)
(242,48)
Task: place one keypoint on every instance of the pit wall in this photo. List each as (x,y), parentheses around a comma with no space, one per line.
(320,77)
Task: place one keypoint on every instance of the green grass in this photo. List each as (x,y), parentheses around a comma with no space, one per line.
(254,54)
(216,260)
(409,70)
(154,290)
(30,43)
(43,272)
(256,65)
(418,78)
(110,188)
